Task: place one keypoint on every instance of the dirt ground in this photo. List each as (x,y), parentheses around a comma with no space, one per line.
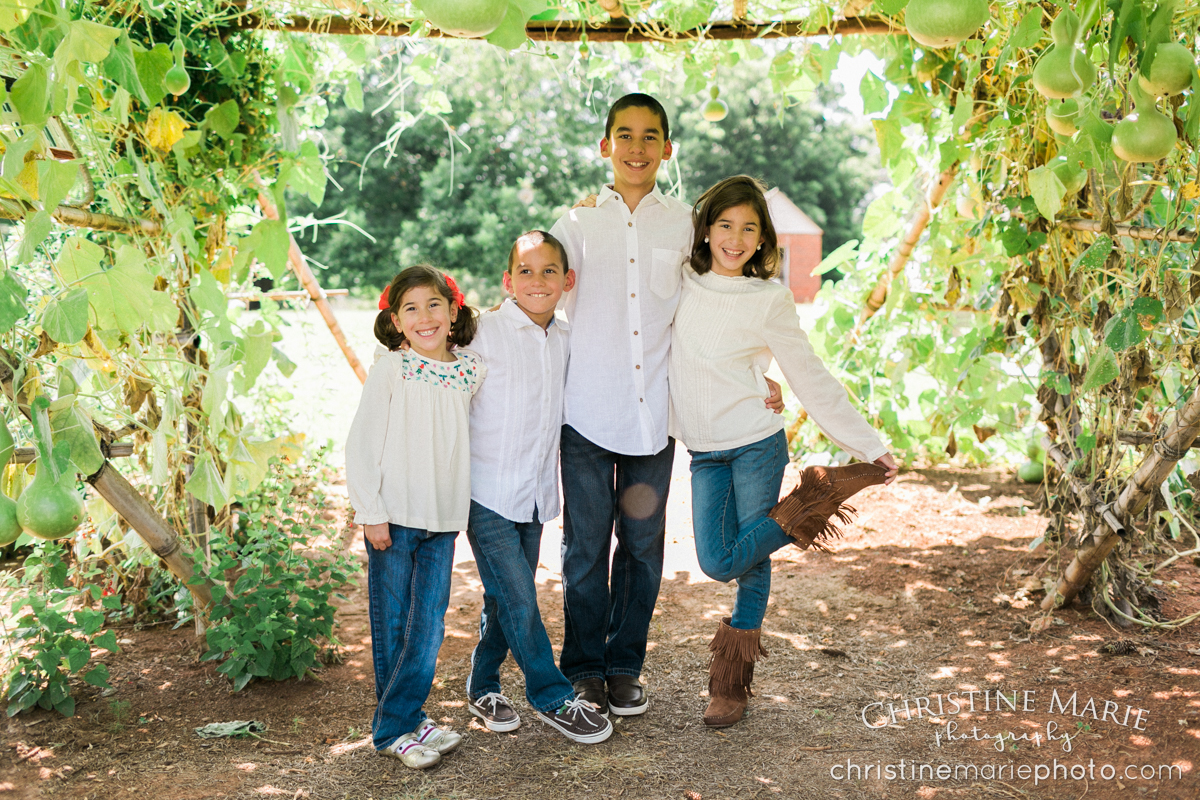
(923,599)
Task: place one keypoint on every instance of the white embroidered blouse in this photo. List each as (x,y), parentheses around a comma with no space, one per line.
(408,458)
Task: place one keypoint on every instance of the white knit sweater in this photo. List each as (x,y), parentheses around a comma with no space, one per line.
(726,331)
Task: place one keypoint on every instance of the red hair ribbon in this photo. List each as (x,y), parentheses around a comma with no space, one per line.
(459,299)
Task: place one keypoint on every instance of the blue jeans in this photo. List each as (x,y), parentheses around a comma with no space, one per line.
(408,586)
(506,554)
(606,492)
(732,491)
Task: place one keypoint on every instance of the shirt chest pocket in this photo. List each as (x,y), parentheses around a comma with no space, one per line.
(665,272)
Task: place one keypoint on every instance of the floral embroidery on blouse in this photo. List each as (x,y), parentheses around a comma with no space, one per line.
(462,374)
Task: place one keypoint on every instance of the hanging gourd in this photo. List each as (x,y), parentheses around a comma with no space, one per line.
(176,81)
(715,110)
(1063,70)
(942,23)
(1171,72)
(469,19)
(10,529)
(1146,134)
(1072,176)
(1061,116)
(50,507)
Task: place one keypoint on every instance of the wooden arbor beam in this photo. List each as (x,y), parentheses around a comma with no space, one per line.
(614,30)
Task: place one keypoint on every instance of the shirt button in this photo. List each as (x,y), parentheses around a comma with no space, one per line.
(631,224)
(633,294)
(638,366)
(635,333)
(640,400)
(631,261)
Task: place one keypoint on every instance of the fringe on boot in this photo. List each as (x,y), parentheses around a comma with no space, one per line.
(730,673)
(815,510)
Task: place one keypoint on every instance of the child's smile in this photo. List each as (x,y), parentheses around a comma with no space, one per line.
(425,318)
(636,148)
(733,240)
(538,279)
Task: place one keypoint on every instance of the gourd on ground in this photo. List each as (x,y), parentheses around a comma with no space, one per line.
(1145,135)
(1171,71)
(1031,472)
(1063,70)
(942,23)
(469,19)
(10,529)
(50,507)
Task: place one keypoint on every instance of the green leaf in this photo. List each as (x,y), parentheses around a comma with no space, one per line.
(845,252)
(269,242)
(97,676)
(12,301)
(65,319)
(152,67)
(249,462)
(354,94)
(256,345)
(1047,190)
(107,640)
(30,96)
(85,41)
(1018,240)
(1057,381)
(13,14)
(55,179)
(37,228)
(890,138)
(223,119)
(206,482)
(73,427)
(435,101)
(1094,257)
(77,659)
(874,94)
(123,296)
(1101,371)
(511,32)
(66,706)
(121,68)
(308,173)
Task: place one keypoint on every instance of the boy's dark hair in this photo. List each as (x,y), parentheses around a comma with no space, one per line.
(740,190)
(536,238)
(638,100)
(462,330)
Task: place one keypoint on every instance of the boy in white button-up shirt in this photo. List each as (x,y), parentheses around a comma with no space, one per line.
(627,250)
(516,418)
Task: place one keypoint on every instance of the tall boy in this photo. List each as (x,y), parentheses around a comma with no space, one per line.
(616,455)
(515,422)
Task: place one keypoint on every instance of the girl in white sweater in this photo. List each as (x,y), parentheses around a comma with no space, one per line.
(732,319)
(408,471)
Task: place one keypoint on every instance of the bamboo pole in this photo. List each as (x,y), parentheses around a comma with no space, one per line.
(1134,496)
(135,509)
(26,455)
(917,222)
(309,281)
(1132,231)
(574,30)
(1086,494)
(77,217)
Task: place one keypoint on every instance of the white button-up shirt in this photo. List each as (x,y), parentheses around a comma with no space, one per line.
(627,268)
(516,415)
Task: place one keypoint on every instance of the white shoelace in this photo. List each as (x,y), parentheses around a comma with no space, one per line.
(575,707)
(493,699)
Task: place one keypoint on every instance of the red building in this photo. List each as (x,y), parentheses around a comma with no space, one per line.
(800,243)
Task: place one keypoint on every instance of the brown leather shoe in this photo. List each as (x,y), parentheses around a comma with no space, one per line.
(724,711)
(807,514)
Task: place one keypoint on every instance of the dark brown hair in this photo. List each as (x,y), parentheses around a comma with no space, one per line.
(538,238)
(637,100)
(462,330)
(740,190)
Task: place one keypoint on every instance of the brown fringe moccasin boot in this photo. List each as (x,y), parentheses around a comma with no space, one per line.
(809,512)
(730,672)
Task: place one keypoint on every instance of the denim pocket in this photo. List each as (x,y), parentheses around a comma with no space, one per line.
(665,272)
